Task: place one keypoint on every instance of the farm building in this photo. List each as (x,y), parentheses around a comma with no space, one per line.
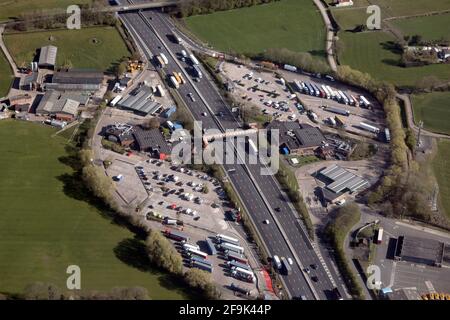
(151,141)
(30,81)
(420,250)
(60,105)
(20,99)
(76,80)
(140,102)
(47,57)
(339,182)
(296,138)
(22,107)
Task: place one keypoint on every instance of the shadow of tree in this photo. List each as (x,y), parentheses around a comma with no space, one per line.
(317,53)
(392,46)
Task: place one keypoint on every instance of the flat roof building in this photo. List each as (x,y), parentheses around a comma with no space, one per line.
(151,141)
(296,138)
(420,250)
(76,80)
(47,57)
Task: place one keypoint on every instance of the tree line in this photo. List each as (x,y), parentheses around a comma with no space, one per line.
(188,8)
(346,217)
(404,188)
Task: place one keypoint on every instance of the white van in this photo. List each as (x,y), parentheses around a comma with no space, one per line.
(276,262)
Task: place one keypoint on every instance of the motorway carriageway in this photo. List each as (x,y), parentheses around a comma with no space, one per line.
(271,235)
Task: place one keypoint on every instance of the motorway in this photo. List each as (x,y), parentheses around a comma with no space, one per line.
(285,235)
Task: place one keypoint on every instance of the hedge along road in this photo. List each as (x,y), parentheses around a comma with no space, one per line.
(46,223)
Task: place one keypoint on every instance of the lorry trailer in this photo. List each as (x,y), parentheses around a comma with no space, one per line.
(211,247)
(237,264)
(286,266)
(337,110)
(174,82)
(175,235)
(223,238)
(164,58)
(193,60)
(369,127)
(197,71)
(202,266)
(236,256)
(231,247)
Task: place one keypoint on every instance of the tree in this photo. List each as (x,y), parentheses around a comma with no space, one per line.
(201,280)
(121,68)
(163,254)
(42,291)
(152,123)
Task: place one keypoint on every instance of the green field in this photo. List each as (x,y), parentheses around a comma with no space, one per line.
(395,8)
(10,9)
(6,75)
(434,110)
(370,52)
(430,27)
(45,224)
(292,24)
(442,173)
(76,46)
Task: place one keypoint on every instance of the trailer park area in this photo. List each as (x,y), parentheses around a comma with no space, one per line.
(271,93)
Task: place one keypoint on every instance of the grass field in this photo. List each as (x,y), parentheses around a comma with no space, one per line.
(291,24)
(395,8)
(45,225)
(433,109)
(442,173)
(367,52)
(77,46)
(6,76)
(10,9)
(430,27)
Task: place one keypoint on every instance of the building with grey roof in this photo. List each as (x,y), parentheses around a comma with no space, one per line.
(76,80)
(140,102)
(420,250)
(296,138)
(151,141)
(59,105)
(47,57)
(340,181)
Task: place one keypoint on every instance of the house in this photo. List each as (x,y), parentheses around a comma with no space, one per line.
(58,105)
(47,57)
(76,80)
(296,138)
(20,99)
(120,133)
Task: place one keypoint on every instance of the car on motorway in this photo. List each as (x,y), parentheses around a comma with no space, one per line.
(191,96)
(307,270)
(204,114)
(290,261)
(314,278)
(277,209)
(266,221)
(314,266)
